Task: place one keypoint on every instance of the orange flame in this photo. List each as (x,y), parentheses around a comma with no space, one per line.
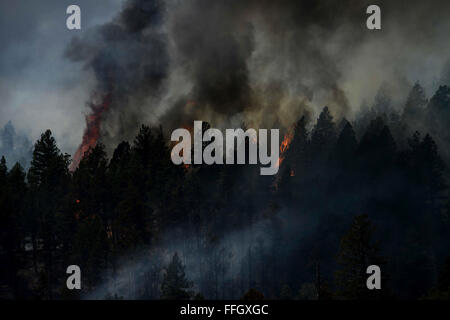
(285,144)
(92,131)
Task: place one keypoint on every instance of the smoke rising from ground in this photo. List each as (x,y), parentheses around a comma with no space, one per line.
(218,269)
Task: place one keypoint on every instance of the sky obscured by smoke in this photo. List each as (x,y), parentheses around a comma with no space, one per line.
(227,62)
(39,88)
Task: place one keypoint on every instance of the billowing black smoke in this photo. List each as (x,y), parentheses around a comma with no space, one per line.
(129,59)
(260,62)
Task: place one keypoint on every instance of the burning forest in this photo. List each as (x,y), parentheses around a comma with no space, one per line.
(359,153)
(92,133)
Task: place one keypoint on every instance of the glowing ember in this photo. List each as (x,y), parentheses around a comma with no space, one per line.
(92,132)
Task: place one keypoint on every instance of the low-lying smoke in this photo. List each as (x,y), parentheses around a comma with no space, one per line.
(219,269)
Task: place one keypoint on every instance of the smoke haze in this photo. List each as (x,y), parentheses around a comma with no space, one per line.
(234,63)
(170,62)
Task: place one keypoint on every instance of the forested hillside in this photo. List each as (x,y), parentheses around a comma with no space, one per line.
(372,190)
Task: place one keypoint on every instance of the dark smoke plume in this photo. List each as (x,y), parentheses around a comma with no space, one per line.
(263,63)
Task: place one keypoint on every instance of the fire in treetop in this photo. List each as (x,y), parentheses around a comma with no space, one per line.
(284,146)
(92,131)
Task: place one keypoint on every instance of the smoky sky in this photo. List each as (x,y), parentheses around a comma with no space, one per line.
(262,63)
(39,88)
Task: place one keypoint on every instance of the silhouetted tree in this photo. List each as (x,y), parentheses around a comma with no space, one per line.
(377,149)
(415,106)
(383,103)
(175,286)
(346,146)
(438,117)
(323,135)
(48,177)
(425,170)
(357,251)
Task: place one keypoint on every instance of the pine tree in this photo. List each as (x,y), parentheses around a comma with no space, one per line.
(321,146)
(165,189)
(438,117)
(425,170)
(432,170)
(415,104)
(363,119)
(49,167)
(118,177)
(346,146)
(377,149)
(12,222)
(49,179)
(440,102)
(91,188)
(297,154)
(8,272)
(323,135)
(383,103)
(142,146)
(91,195)
(357,251)
(135,170)
(175,286)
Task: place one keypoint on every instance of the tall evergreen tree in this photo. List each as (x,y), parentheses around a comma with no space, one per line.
(377,149)
(91,187)
(438,118)
(415,104)
(49,179)
(8,231)
(383,103)
(292,173)
(298,150)
(175,286)
(90,247)
(425,169)
(440,102)
(346,146)
(323,135)
(357,251)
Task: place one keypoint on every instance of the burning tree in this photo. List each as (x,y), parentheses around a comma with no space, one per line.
(92,133)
